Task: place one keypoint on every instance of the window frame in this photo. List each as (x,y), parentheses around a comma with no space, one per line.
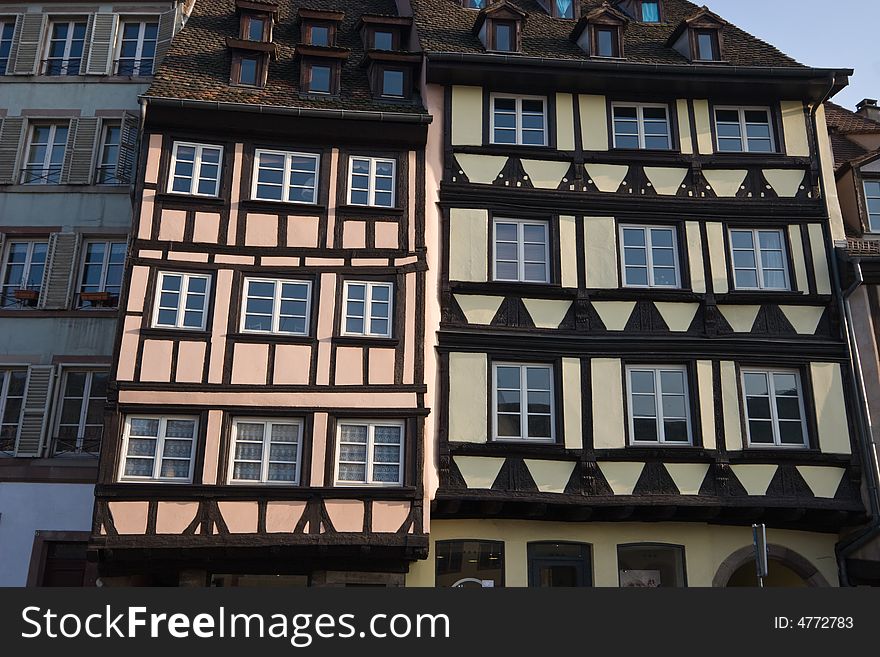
(285,180)
(368,303)
(371,181)
(370,458)
(309,67)
(523,403)
(105,172)
(276,305)
(404,82)
(267,423)
(6,20)
(614,30)
(714,44)
(743,127)
(185,277)
(197,167)
(770,372)
(28,264)
(7,371)
(640,123)
(872,228)
(493,24)
(659,417)
(518,129)
(649,256)
(84,405)
(64,60)
(641,17)
(137,60)
(759,267)
(520,250)
(105,266)
(259,70)
(47,169)
(158,454)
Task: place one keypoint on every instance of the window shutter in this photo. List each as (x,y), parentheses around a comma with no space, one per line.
(167,27)
(128,147)
(11,130)
(87,44)
(13,48)
(103,40)
(26,42)
(32,429)
(59,275)
(80,151)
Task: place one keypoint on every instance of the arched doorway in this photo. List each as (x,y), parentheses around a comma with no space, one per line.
(787,568)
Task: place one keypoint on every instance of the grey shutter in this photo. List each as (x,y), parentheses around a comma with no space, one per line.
(11,131)
(61,269)
(87,45)
(103,42)
(128,147)
(34,415)
(13,48)
(79,155)
(26,42)
(167,28)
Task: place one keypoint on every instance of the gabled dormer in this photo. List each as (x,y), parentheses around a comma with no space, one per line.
(391,68)
(642,11)
(320,59)
(386,33)
(567,9)
(600,32)
(252,47)
(700,37)
(500,27)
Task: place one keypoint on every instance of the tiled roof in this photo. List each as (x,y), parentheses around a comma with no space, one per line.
(845,150)
(198,63)
(445,26)
(846,122)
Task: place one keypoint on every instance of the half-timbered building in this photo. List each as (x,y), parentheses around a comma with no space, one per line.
(70,75)
(268,404)
(641,349)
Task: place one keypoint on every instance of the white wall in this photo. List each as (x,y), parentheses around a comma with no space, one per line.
(28,507)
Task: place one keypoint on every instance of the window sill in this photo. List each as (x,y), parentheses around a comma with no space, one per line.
(373,210)
(364,341)
(170,197)
(263,204)
(171,332)
(540,290)
(270,338)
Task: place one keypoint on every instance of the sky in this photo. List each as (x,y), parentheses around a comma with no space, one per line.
(836,34)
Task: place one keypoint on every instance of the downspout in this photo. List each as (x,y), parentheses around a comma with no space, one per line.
(863,424)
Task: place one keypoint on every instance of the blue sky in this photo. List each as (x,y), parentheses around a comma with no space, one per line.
(838,34)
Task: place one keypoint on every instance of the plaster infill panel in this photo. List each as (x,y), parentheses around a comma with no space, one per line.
(387,234)
(250,364)
(666,181)
(349,366)
(547,313)
(156,361)
(382,362)
(614,314)
(600,252)
(830,405)
(622,476)
(478,309)
(678,316)
(388,517)
(725,183)
(730,407)
(240,517)
(481,169)
(172,224)
(550,476)
(190,362)
(282,517)
(607,177)
(688,477)
(468,405)
(137,288)
(302,232)
(207,228)
(261,230)
(740,317)
(607,397)
(545,174)
(695,256)
(292,364)
(130,517)
(755,477)
(346,515)
(468,245)
(594,122)
(175,517)
(478,471)
(785,182)
(572,401)
(467,116)
(564,122)
(354,234)
(823,481)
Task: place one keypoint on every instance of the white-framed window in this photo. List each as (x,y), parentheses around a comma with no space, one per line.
(158,448)
(744,130)
(641,126)
(136,46)
(12,386)
(286,176)
(521,251)
(522,402)
(774,405)
(872,201)
(276,306)
(7,31)
(102,268)
(64,47)
(659,411)
(108,155)
(759,260)
(24,264)
(369,453)
(519,120)
(195,169)
(371,181)
(181,301)
(649,256)
(81,416)
(265,451)
(47,143)
(368,307)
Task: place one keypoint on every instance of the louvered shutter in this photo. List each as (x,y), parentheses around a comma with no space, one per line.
(79,154)
(87,44)
(34,415)
(11,130)
(103,40)
(13,48)
(60,273)
(26,42)
(167,27)
(128,147)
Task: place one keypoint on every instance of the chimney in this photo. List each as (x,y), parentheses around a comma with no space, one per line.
(868,108)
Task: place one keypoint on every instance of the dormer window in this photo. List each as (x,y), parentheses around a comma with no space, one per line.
(606,42)
(473,4)
(317,35)
(246,70)
(706,45)
(319,78)
(256,18)
(600,33)
(253,47)
(650,11)
(319,27)
(254,28)
(499,27)
(700,37)
(560,8)
(383,40)
(393,82)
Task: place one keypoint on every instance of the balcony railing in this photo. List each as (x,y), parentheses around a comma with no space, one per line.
(22,297)
(33,175)
(79,446)
(60,66)
(133,67)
